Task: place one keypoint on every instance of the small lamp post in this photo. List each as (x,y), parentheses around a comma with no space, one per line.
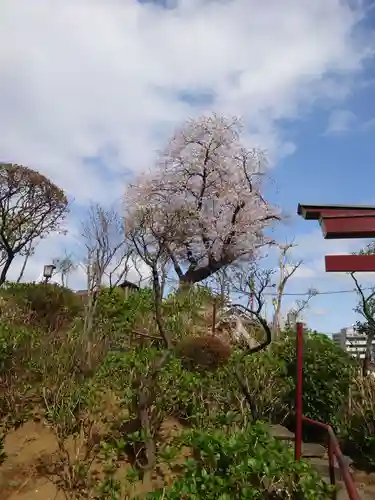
(48,271)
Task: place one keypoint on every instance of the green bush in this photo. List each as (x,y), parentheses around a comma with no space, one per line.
(15,344)
(42,305)
(266,375)
(188,312)
(183,312)
(358,433)
(120,312)
(197,398)
(203,397)
(327,375)
(243,464)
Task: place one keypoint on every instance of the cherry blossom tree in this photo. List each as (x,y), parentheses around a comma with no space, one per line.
(205,198)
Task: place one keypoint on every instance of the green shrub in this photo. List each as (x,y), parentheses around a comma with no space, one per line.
(200,397)
(268,382)
(16,345)
(41,305)
(188,313)
(327,374)
(119,312)
(243,464)
(358,433)
(184,313)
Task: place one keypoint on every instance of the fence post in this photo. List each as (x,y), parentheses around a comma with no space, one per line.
(299,382)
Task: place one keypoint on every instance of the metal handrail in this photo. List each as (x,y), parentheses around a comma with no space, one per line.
(333,445)
(334,450)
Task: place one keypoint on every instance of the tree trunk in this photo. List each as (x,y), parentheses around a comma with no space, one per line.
(5,269)
(201,273)
(185,286)
(277,314)
(158,307)
(248,396)
(162,283)
(23,267)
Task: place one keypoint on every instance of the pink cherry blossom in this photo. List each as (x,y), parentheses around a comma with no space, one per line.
(203,198)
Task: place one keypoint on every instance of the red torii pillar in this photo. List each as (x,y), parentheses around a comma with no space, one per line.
(337,222)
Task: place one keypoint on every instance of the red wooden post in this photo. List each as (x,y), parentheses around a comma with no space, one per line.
(299,382)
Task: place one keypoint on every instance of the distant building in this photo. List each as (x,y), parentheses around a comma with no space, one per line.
(353,343)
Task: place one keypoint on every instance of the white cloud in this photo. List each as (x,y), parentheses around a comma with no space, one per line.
(318,311)
(104,81)
(311,245)
(303,271)
(81,78)
(340,120)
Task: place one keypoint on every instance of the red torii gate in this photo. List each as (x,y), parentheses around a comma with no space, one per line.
(337,222)
(344,221)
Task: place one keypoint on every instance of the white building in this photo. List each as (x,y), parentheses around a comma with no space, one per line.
(353,342)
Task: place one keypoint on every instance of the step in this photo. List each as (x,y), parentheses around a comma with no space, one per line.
(282,433)
(310,450)
(321,465)
(364,494)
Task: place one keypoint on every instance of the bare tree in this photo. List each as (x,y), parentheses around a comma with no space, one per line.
(221,282)
(366,308)
(65,266)
(151,250)
(205,198)
(300,306)
(254,284)
(31,207)
(250,280)
(108,254)
(286,270)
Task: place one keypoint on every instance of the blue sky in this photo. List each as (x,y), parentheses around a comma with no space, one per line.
(333,163)
(89,91)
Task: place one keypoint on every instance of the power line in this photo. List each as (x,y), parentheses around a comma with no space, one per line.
(330,292)
(301,294)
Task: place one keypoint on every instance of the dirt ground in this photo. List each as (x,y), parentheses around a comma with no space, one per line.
(19,479)
(34,443)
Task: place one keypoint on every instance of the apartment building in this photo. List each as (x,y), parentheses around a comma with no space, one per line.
(353,342)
